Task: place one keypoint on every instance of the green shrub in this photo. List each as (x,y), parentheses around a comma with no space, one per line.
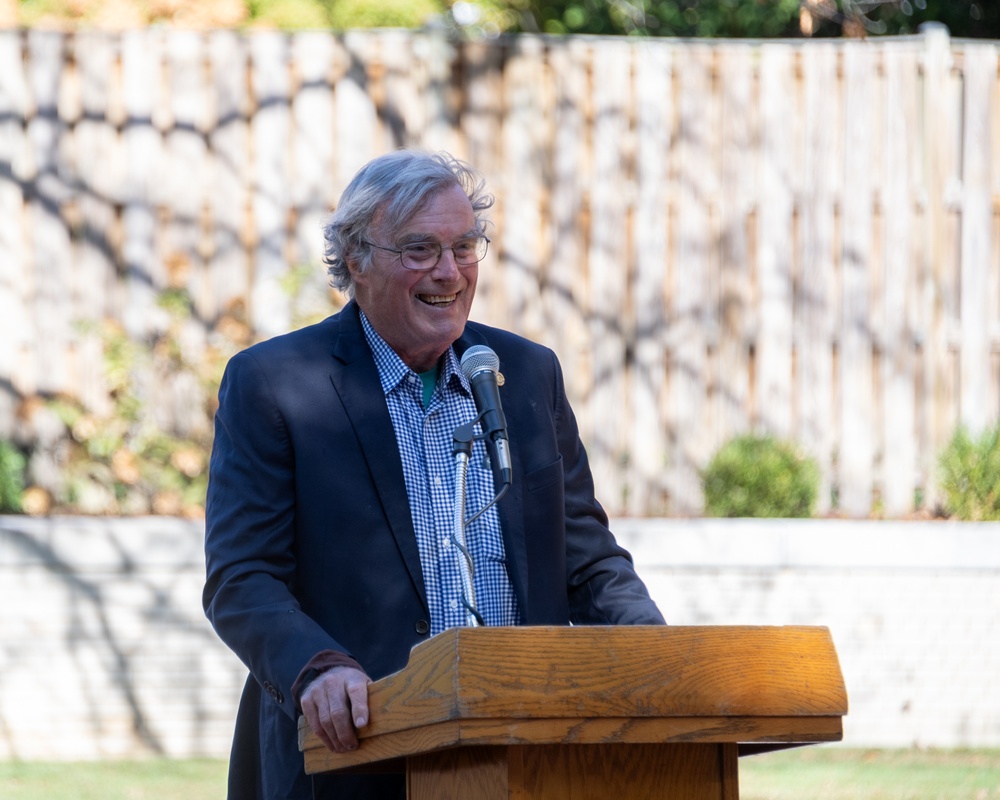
(760,476)
(12,465)
(970,475)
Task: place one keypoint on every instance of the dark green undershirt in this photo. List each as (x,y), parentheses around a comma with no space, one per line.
(429,379)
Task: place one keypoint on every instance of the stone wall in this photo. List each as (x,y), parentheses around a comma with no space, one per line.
(105,652)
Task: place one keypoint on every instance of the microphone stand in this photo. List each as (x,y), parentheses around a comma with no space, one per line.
(462,450)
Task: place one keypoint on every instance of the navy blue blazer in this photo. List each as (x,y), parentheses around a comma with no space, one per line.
(310,544)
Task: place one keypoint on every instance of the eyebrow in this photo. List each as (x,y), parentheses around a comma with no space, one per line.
(415,238)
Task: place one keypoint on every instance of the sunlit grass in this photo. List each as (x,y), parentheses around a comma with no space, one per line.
(809,773)
(833,773)
(159,779)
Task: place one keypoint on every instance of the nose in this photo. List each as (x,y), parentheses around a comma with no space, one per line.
(447,265)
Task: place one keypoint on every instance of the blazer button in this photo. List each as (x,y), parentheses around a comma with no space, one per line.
(421,626)
(273,693)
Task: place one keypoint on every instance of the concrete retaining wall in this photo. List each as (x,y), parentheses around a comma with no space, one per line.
(104,651)
(914,609)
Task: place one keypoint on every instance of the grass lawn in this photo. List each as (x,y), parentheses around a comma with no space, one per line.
(810,773)
(834,773)
(157,779)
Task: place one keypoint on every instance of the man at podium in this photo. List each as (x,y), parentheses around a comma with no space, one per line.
(375,481)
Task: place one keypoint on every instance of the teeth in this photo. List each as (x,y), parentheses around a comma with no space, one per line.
(438,299)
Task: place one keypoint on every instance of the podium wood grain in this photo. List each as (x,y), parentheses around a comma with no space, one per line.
(562,712)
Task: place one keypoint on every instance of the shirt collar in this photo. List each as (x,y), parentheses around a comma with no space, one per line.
(392,370)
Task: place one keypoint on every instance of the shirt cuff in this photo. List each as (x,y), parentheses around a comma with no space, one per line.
(321,662)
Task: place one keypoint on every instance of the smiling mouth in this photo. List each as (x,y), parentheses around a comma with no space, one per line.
(438,300)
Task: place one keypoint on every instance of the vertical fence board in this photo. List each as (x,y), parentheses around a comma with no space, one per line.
(312,120)
(647,444)
(816,294)
(774,256)
(980,70)
(400,91)
(611,197)
(15,319)
(184,183)
(688,287)
(228,140)
(97,173)
(142,145)
(898,357)
(481,113)
(269,130)
(738,182)
(356,129)
(523,255)
(856,269)
(936,301)
(709,188)
(49,235)
(436,56)
(183,241)
(564,296)
(994,259)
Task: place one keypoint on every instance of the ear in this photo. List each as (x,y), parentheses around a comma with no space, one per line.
(353,265)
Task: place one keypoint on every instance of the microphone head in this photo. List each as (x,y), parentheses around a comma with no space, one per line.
(477,358)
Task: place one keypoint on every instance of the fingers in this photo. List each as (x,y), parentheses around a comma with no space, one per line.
(335,704)
(357,695)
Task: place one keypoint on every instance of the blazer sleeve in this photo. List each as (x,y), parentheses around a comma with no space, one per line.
(250,536)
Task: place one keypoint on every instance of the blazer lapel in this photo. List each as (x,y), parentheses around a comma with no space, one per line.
(355,379)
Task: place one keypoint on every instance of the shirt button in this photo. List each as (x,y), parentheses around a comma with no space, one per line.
(454,603)
(421,626)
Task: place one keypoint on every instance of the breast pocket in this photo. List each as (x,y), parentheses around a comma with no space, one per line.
(545,503)
(540,479)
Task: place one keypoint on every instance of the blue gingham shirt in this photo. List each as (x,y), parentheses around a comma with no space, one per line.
(424,437)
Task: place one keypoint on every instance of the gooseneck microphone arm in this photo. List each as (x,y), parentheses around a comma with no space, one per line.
(462,449)
(480,365)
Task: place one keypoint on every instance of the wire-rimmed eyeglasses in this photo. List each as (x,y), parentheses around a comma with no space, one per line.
(425,255)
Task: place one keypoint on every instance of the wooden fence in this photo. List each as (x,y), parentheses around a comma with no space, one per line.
(715,236)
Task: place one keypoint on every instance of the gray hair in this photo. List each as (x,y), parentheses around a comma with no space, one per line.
(384,195)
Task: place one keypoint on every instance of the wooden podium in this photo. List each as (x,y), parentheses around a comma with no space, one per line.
(594,712)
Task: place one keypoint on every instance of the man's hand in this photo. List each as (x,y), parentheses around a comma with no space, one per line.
(336,705)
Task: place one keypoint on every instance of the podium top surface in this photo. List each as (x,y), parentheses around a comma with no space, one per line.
(521,681)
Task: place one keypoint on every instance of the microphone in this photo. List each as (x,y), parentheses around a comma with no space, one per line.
(481,367)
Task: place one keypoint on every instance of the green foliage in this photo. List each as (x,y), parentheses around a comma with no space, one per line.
(662,17)
(289,14)
(963,18)
(346,14)
(687,18)
(754,18)
(120,461)
(759,476)
(970,475)
(12,465)
(120,457)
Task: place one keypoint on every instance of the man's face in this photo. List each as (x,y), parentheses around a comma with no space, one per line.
(420,313)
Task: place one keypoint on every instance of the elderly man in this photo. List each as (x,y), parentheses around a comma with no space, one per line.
(331,491)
